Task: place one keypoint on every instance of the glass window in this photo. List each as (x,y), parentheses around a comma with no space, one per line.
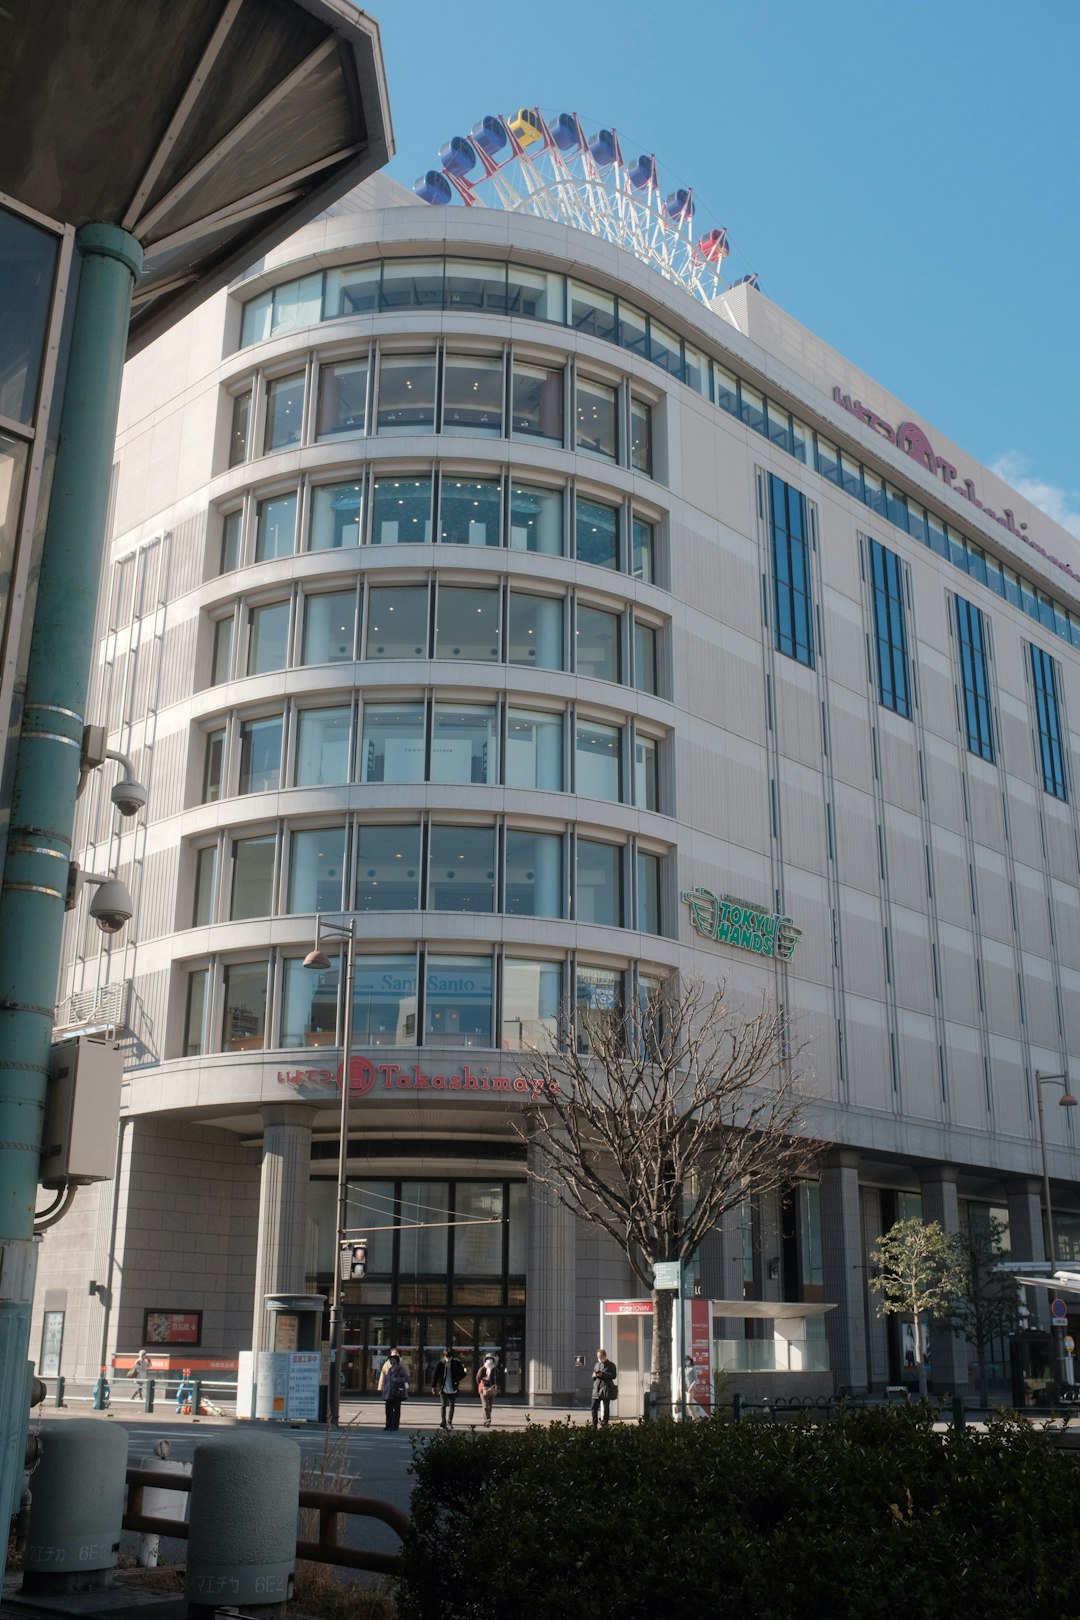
(726,385)
(779,425)
(641,436)
(665,349)
(467,623)
(828,460)
(353,290)
(195,1014)
(401,512)
(260,754)
(646,773)
(696,370)
(204,908)
(534,749)
(596,410)
(890,630)
(536,520)
(536,405)
(336,513)
(464,744)
(539,294)
(412,284)
(644,657)
(752,407)
(593,311)
(644,541)
(309,1004)
(221,664)
(597,643)
(253,877)
(1046,680)
(534,874)
(793,629)
(243,1027)
(596,533)
(648,893)
(473,394)
(598,1001)
(461,873)
(214,766)
(802,442)
(424,1247)
(457,1001)
(472,285)
(407,393)
(397,621)
(633,329)
(231,532)
(535,630)
(316,866)
(284,412)
(329,628)
(393,746)
(532,1000)
(268,638)
(240,434)
(275,534)
(874,494)
(298,303)
(850,476)
(384,1003)
(28,254)
(599,883)
(322,747)
(470,512)
(596,760)
(388,868)
(256,319)
(896,506)
(975,679)
(342,398)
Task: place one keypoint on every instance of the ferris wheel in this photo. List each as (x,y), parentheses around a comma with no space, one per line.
(525,163)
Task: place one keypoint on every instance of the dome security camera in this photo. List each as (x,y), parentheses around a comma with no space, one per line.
(111,906)
(128,796)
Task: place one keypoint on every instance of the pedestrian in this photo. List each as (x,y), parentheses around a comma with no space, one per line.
(690,1378)
(487,1387)
(449,1372)
(395,1387)
(604,1387)
(385,1368)
(185,1395)
(140,1372)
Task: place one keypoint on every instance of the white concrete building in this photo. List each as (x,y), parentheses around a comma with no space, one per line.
(469,577)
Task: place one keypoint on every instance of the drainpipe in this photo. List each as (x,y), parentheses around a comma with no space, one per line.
(44,785)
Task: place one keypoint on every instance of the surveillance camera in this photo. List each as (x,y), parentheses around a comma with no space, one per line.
(111,906)
(128,796)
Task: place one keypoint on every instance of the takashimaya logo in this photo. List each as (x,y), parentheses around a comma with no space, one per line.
(742,923)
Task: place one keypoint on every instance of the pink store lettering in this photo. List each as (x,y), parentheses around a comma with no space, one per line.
(366,1076)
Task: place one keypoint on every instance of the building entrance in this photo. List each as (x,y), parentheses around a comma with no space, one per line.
(421,1336)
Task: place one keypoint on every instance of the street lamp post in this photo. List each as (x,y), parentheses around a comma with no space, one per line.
(1066,1100)
(346,934)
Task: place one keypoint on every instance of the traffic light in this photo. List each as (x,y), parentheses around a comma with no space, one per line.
(354,1260)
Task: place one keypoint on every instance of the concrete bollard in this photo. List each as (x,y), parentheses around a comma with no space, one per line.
(78,1506)
(242,1529)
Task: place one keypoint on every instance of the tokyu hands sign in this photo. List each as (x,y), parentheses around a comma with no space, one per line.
(742,923)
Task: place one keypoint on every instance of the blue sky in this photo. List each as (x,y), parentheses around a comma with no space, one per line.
(902,176)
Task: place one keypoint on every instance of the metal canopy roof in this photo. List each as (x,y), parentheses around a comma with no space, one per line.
(209,129)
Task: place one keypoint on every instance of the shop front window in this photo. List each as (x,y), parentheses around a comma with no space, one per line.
(457,999)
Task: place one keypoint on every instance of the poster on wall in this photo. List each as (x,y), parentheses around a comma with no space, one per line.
(52,1337)
(172,1327)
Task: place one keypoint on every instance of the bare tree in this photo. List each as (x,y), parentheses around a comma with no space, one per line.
(653,1121)
(985,1304)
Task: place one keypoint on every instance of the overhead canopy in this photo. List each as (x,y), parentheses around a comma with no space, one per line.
(209,129)
(772,1310)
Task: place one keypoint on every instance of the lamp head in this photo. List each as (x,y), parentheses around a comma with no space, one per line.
(1066,1100)
(317,959)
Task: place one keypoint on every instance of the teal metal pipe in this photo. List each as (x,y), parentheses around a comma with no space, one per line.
(45,781)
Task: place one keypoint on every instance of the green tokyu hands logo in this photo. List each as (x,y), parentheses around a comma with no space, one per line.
(742,923)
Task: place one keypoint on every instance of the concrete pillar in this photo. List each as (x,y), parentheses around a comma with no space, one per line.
(280,1262)
(550,1301)
(843,1256)
(1027,1241)
(948,1351)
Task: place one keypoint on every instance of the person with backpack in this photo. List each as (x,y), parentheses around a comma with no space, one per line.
(394,1381)
(449,1372)
(487,1387)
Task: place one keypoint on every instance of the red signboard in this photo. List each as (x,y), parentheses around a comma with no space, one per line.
(628,1307)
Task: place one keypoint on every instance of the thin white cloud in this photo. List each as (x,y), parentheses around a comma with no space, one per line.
(1063,505)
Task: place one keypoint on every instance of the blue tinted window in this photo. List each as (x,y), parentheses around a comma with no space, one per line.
(974,672)
(1045,678)
(890,630)
(791,571)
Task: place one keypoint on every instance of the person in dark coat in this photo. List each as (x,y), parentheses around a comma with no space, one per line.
(604,1375)
(449,1372)
(487,1387)
(395,1386)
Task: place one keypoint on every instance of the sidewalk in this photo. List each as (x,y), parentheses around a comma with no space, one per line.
(418,1413)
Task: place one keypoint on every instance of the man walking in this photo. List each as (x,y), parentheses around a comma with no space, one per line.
(604,1387)
(487,1387)
(449,1372)
(140,1372)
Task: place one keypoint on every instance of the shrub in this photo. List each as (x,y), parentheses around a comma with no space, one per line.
(872,1513)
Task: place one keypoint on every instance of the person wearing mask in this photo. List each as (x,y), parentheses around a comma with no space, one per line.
(394,1382)
(449,1372)
(604,1387)
(487,1387)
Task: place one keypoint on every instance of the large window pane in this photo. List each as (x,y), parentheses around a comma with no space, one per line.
(336,511)
(532,998)
(539,294)
(221,665)
(297,303)
(214,766)
(596,760)
(243,1027)
(352,290)
(793,630)
(633,329)
(393,746)
(648,893)
(464,744)
(472,285)
(195,1015)
(401,512)
(534,874)
(255,324)
(641,436)
(28,255)
(478,1242)
(537,402)
(425,1237)
(596,533)
(407,393)
(534,750)
(276,531)
(461,874)
(643,544)
(329,628)
(253,877)
(240,434)
(384,1005)
(284,412)
(457,998)
(412,284)
(598,997)
(644,657)
(665,349)
(268,638)
(388,868)
(316,863)
(470,512)
(467,624)
(646,774)
(397,621)
(536,520)
(260,754)
(599,883)
(322,747)
(597,649)
(342,398)
(593,311)
(309,1004)
(473,394)
(535,630)
(232,528)
(203,909)
(596,415)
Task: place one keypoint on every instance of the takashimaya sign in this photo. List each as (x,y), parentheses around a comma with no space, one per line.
(742,923)
(366,1076)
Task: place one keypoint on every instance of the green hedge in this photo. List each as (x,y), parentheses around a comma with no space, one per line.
(871,1514)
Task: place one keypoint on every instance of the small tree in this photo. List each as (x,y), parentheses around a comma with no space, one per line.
(678,1111)
(919,1274)
(986,1303)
